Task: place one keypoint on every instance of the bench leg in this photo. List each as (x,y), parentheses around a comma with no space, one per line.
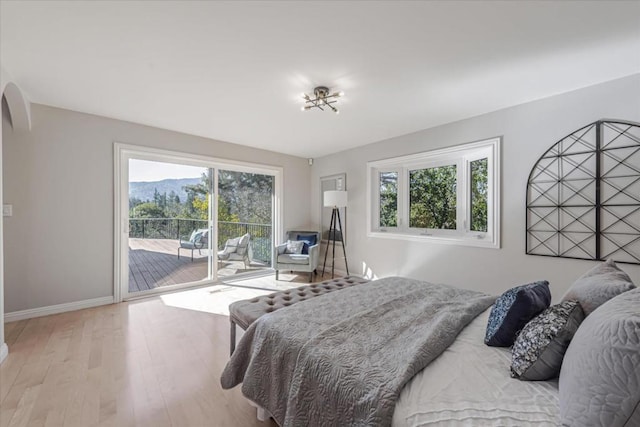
(232,334)
(261,414)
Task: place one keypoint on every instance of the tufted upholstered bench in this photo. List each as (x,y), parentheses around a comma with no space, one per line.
(244,313)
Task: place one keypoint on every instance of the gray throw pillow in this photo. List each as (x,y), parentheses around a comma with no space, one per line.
(231,245)
(600,375)
(539,348)
(598,285)
(294,247)
(196,236)
(242,244)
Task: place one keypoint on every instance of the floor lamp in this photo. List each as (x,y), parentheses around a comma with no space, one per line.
(335,200)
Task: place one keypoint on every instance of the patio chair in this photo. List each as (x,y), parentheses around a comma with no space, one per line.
(288,257)
(237,249)
(199,240)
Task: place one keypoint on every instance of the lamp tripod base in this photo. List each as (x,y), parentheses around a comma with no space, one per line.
(335,226)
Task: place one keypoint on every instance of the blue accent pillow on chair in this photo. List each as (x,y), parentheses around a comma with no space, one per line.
(309,240)
(513,310)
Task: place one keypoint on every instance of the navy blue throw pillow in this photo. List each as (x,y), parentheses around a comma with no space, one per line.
(309,240)
(513,310)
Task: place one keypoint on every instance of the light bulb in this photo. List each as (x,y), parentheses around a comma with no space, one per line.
(303,108)
(337,111)
(341,93)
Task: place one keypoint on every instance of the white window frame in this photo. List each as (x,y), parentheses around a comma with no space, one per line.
(460,155)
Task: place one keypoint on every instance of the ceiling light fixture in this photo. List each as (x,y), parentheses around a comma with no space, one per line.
(322,99)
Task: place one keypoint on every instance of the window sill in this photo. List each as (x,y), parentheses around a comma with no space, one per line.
(447,240)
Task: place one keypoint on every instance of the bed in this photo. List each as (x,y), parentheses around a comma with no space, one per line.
(470,384)
(395,351)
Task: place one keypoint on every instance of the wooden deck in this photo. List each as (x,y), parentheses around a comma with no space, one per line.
(154,263)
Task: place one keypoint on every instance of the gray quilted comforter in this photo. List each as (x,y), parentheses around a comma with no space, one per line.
(343,358)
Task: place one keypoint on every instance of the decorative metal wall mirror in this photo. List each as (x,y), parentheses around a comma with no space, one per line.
(583,195)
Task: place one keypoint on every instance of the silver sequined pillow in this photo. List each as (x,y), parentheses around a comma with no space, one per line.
(539,349)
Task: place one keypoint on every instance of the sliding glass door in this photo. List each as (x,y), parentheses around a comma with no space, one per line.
(245,209)
(185,220)
(169,224)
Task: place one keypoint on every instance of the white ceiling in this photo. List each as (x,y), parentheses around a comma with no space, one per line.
(234,71)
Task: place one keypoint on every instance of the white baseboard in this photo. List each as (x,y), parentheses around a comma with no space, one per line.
(4,351)
(55,309)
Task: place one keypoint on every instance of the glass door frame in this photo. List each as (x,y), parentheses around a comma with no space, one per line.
(122,154)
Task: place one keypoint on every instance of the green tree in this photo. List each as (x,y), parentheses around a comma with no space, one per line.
(432,194)
(173,208)
(479,194)
(389,199)
(134,201)
(201,209)
(147,210)
(160,199)
(249,196)
(197,205)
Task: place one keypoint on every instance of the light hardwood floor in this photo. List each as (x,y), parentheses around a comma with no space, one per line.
(151,362)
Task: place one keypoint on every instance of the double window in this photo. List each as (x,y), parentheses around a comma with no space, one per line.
(449,195)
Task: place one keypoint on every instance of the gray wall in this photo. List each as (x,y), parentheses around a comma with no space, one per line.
(527,130)
(59,178)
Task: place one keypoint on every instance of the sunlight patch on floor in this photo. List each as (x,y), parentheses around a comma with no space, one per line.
(211,299)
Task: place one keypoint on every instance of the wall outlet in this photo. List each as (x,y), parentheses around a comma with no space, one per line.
(7,210)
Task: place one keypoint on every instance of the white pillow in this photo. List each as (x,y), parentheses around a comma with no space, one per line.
(231,245)
(294,247)
(242,244)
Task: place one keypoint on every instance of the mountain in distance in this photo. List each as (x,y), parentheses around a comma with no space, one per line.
(144,190)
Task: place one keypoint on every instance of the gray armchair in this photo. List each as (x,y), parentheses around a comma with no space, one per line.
(306,261)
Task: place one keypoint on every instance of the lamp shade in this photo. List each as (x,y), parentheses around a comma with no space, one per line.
(335,199)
